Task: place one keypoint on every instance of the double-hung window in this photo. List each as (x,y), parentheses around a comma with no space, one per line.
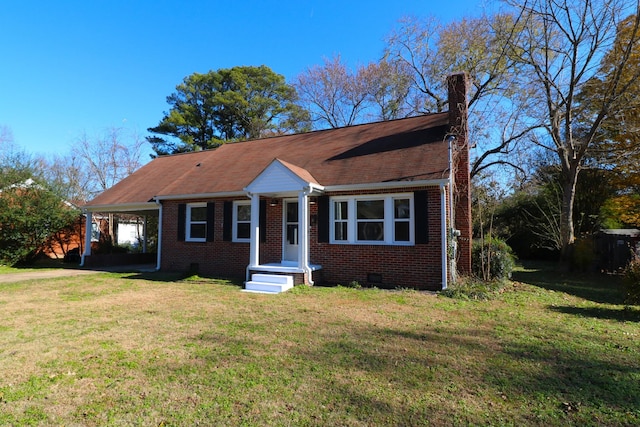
(376,219)
(241,221)
(196,216)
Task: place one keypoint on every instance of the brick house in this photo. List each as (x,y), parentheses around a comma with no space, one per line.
(366,203)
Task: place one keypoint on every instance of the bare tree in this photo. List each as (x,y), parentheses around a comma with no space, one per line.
(332,93)
(99,162)
(107,158)
(387,85)
(6,136)
(69,174)
(430,51)
(558,48)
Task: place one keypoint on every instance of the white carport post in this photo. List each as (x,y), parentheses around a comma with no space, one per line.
(87,237)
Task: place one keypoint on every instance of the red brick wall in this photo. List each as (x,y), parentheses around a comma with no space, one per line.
(417,266)
(220,258)
(458,112)
(225,259)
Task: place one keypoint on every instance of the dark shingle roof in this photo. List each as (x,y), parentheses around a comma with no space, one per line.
(411,149)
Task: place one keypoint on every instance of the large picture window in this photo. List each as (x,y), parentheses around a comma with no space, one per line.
(382,219)
(196,229)
(241,221)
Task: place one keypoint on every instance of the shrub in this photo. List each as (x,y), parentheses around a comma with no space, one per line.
(468,288)
(583,254)
(631,281)
(492,259)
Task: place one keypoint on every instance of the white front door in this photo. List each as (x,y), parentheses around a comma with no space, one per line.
(291,230)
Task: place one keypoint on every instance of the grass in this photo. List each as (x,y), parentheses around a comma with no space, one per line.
(118,349)
(42,264)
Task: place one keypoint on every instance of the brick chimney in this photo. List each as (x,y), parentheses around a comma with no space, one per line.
(458,85)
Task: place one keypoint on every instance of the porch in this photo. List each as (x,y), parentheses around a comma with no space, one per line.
(279,277)
(291,187)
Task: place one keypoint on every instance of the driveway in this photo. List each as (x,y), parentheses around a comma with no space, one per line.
(68,272)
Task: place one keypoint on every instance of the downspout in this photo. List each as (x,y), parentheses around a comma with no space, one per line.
(452,233)
(306,268)
(444,236)
(452,178)
(159,244)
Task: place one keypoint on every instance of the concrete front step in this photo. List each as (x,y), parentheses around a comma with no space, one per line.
(278,279)
(269,283)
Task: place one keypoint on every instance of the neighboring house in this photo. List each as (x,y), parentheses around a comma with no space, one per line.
(61,241)
(615,248)
(129,231)
(366,203)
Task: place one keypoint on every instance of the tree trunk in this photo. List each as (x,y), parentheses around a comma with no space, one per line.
(567,232)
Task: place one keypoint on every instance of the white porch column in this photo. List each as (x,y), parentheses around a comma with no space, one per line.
(303,230)
(159,241)
(254,254)
(87,237)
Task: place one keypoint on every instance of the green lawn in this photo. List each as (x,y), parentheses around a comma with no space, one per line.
(117,349)
(40,265)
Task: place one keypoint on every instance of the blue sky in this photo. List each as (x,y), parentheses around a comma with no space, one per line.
(74,67)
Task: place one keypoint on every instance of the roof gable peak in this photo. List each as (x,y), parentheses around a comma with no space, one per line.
(281,177)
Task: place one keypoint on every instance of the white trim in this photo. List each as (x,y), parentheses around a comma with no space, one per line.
(87,237)
(254,231)
(125,207)
(388,221)
(386,185)
(276,178)
(189,222)
(201,195)
(234,222)
(159,243)
(284,229)
(303,232)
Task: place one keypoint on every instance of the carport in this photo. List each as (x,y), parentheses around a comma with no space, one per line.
(146,211)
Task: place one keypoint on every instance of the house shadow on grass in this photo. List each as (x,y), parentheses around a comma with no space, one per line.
(625,314)
(591,286)
(521,370)
(182,277)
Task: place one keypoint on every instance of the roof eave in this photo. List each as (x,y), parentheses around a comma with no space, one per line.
(386,185)
(121,207)
(200,195)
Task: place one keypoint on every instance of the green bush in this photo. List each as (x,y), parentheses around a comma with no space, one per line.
(583,254)
(631,281)
(468,288)
(492,259)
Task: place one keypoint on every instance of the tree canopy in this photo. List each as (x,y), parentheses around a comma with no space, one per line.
(558,49)
(238,103)
(30,210)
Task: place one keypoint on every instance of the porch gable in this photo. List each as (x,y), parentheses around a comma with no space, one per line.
(280,178)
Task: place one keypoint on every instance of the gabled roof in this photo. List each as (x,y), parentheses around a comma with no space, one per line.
(280,178)
(412,149)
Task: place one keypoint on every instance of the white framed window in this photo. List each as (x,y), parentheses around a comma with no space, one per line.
(241,221)
(196,217)
(385,219)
